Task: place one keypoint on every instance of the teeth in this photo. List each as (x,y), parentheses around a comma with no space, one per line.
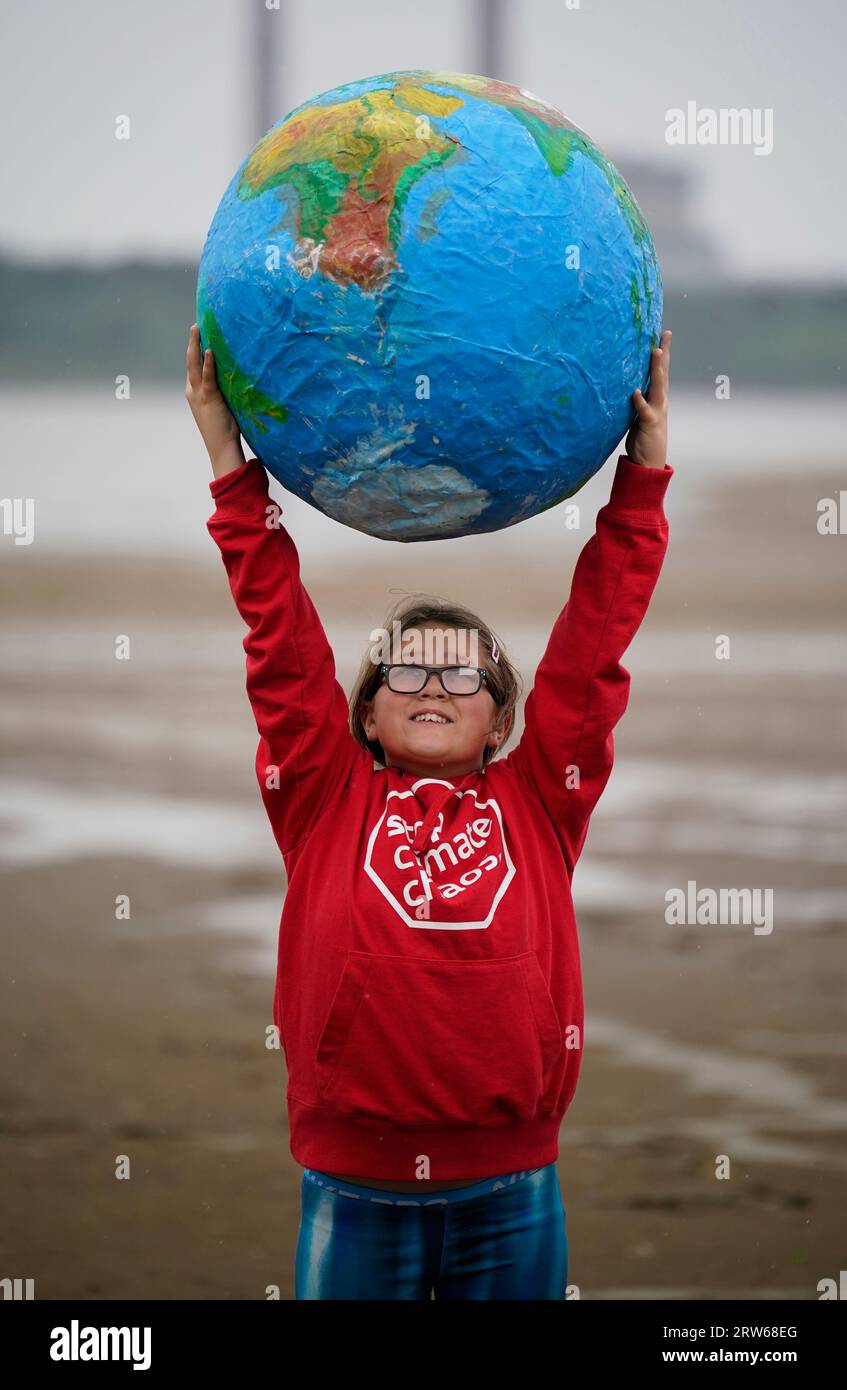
(431,718)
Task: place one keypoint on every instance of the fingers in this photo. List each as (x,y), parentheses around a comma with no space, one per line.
(659,370)
(193,365)
(665,349)
(199,366)
(657,392)
(210,376)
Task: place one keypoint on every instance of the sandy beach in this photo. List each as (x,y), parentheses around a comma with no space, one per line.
(146,1037)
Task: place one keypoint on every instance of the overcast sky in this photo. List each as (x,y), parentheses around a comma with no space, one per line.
(183,71)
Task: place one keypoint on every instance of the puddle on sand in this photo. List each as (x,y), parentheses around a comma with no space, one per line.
(773,1097)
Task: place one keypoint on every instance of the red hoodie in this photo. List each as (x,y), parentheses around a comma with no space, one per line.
(429,993)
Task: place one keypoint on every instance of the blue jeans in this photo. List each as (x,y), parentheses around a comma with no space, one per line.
(502,1238)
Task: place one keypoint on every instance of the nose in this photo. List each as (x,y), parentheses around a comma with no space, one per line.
(433,685)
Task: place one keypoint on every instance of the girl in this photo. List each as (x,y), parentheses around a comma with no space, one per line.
(428,995)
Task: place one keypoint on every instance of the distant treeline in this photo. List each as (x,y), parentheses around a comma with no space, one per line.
(90,325)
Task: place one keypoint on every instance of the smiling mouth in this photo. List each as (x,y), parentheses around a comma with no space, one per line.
(427,717)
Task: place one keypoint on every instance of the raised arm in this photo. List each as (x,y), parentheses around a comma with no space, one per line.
(306,752)
(581,689)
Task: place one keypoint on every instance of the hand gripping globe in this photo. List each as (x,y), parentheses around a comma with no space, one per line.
(430,297)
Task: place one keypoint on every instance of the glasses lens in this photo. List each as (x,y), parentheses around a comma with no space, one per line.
(461,680)
(406,679)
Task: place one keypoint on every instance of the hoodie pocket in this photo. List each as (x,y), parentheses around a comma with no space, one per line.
(439,1042)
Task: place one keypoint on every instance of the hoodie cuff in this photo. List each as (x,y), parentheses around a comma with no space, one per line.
(638,490)
(249,479)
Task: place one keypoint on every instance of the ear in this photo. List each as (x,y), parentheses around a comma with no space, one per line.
(498,733)
(368,721)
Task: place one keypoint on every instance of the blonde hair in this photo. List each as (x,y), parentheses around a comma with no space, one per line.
(503,681)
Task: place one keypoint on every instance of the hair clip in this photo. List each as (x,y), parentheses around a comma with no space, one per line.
(495,650)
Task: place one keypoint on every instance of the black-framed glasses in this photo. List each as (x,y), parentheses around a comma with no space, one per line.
(456,680)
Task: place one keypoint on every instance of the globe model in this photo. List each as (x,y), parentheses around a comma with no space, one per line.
(430,297)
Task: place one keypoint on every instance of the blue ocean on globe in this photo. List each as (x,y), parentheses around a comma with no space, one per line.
(430,298)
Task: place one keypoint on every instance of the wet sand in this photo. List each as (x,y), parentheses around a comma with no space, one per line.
(146,1037)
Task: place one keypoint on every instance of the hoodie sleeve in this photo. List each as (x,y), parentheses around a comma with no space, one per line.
(306,751)
(581,689)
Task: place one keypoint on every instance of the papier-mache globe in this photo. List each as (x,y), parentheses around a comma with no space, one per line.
(430,297)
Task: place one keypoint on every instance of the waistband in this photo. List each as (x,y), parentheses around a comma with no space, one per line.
(445,1197)
(324,1140)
